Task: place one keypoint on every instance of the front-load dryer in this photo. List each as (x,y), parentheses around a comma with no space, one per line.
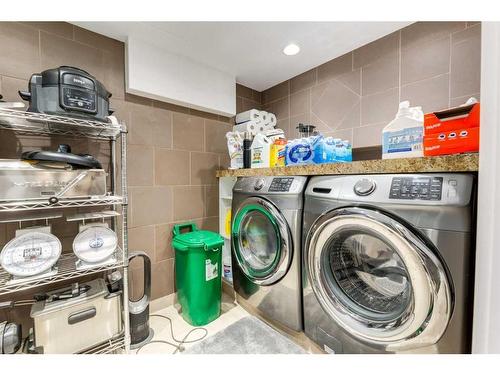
(388,263)
(265,241)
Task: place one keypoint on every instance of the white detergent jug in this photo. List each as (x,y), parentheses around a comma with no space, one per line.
(403,136)
(260,151)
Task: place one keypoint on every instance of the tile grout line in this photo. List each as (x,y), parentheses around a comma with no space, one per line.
(449,70)
(400,64)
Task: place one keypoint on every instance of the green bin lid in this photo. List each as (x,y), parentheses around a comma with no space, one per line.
(195,238)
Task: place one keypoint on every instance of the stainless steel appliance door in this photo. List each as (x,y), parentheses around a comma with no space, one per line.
(378,278)
(261,241)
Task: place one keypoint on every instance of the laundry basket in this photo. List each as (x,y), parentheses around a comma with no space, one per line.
(198,264)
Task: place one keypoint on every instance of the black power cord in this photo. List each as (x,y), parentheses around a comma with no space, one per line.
(179,343)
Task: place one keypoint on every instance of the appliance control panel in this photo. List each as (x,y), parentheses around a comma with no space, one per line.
(424,188)
(281,184)
(79,99)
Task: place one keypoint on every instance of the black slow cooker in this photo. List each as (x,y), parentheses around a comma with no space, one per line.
(68,91)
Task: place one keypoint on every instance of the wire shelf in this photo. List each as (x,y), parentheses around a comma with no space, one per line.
(62,203)
(41,124)
(66,270)
(112,346)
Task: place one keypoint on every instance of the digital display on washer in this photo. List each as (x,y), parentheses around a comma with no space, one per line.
(281,184)
(425,188)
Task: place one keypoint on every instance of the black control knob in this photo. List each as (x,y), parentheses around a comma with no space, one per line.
(364,187)
(259,184)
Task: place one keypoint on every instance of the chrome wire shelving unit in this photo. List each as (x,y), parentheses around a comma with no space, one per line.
(66,270)
(41,124)
(114,345)
(36,124)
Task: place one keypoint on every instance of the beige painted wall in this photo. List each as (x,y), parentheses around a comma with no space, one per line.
(432,64)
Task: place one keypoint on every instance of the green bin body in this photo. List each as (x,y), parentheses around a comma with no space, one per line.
(198,265)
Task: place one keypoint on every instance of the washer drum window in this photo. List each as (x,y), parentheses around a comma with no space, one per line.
(377,279)
(261,241)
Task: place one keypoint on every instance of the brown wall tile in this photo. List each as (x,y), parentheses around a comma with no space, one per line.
(300,102)
(20,50)
(142,239)
(331,102)
(10,86)
(381,75)
(172,167)
(466,62)
(303,81)
(140,165)
(59,28)
(334,68)
(215,136)
(189,202)
(279,107)
(277,92)
(431,94)
(188,133)
(425,61)
(203,168)
(379,107)
(244,92)
(424,32)
(150,205)
(96,40)
(163,242)
(378,49)
(212,200)
(162,279)
(57,51)
(367,136)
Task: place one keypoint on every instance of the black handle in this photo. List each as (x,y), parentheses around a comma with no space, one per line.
(82,315)
(25,95)
(147,271)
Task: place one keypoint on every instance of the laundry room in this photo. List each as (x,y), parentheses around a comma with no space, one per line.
(231,183)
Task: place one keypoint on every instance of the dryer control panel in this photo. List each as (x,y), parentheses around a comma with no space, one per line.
(281,184)
(426,188)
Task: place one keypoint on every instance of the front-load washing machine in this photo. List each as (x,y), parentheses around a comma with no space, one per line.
(388,263)
(265,242)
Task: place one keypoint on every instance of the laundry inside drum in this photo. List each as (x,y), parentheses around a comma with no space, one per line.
(259,242)
(367,274)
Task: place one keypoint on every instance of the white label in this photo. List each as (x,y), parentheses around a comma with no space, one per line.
(211,270)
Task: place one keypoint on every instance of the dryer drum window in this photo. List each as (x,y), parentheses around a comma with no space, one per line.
(366,274)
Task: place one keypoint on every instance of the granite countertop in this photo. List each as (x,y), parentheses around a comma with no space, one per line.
(448,163)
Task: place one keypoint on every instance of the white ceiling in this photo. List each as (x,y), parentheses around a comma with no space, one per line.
(252,51)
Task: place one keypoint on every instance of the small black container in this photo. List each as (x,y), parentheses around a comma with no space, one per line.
(247,154)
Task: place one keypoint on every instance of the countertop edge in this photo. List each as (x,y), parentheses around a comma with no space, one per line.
(447,163)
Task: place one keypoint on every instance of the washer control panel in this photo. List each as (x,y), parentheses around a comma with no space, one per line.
(281,184)
(425,188)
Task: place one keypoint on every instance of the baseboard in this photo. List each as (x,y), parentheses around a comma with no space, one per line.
(169,300)
(162,303)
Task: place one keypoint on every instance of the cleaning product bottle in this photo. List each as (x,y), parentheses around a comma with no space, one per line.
(403,136)
(278,153)
(261,151)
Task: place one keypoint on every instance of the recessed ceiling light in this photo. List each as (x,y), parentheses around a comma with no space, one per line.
(291,49)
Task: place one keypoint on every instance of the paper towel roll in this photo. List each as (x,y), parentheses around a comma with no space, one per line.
(252,127)
(250,115)
(264,117)
(272,119)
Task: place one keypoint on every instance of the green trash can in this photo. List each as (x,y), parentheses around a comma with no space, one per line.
(198,264)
